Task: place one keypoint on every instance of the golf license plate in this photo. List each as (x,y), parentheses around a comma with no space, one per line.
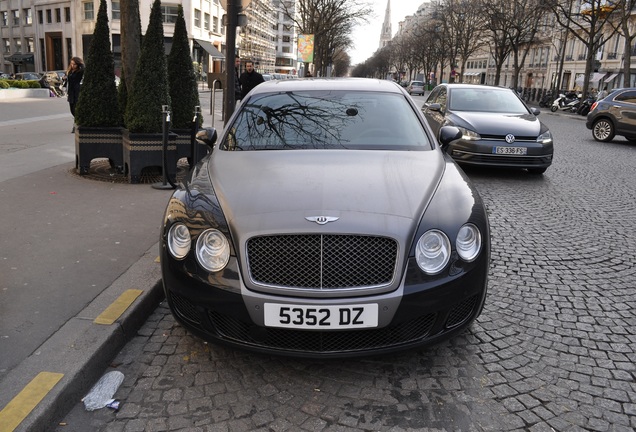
(321,317)
(510,150)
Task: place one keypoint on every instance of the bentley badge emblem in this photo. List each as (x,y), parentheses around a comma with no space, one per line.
(510,138)
(321,220)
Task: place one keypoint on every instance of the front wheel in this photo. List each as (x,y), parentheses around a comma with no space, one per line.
(603,130)
(553,108)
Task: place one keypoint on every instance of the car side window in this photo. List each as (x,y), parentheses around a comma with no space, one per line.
(628,97)
(431,97)
(442,98)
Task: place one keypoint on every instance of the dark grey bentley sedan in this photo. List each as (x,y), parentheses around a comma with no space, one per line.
(498,129)
(326,222)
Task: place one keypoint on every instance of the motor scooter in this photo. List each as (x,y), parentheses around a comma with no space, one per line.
(546,100)
(585,106)
(566,102)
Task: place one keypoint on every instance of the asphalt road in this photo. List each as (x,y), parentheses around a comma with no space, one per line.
(554,350)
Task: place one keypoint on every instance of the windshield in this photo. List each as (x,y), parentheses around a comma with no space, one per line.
(486,100)
(327,119)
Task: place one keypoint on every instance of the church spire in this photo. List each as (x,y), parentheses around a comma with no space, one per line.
(386,35)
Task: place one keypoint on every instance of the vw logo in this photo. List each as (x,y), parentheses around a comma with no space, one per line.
(510,138)
(321,220)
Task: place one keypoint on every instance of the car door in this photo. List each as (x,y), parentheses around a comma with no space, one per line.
(625,113)
(435,117)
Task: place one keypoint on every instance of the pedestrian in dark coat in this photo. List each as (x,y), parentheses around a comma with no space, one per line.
(250,79)
(74,75)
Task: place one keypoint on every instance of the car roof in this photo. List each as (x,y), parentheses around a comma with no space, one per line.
(475,86)
(305,84)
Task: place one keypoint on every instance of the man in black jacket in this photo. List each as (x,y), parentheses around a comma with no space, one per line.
(237,78)
(250,78)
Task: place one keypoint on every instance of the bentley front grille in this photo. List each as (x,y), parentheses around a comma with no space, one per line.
(317,261)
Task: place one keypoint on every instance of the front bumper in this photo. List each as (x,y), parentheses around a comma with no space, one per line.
(481,153)
(419,312)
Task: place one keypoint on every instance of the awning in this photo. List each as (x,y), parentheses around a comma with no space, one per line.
(211,49)
(20,58)
(596,77)
(611,77)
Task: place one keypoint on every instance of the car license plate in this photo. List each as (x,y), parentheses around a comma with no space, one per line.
(510,150)
(321,317)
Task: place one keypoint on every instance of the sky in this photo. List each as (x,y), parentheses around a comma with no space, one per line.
(366,37)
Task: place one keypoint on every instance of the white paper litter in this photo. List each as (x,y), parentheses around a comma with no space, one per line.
(102,392)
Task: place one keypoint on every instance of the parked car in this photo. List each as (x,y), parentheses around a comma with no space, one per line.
(326,222)
(28,76)
(613,115)
(4,75)
(415,87)
(498,128)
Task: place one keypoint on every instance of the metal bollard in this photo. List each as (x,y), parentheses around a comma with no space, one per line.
(194,148)
(213,99)
(164,151)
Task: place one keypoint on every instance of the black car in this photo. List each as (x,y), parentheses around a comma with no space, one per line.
(613,115)
(498,128)
(326,221)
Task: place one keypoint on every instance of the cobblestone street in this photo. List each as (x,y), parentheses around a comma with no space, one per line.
(554,349)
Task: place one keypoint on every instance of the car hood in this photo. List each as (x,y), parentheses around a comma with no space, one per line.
(498,124)
(264,192)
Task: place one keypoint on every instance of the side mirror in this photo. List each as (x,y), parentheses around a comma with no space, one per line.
(536,111)
(207,136)
(432,107)
(448,134)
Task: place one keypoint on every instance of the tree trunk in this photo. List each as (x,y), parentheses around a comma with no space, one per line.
(130,39)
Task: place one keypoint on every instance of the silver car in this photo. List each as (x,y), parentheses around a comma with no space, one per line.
(415,87)
(327,221)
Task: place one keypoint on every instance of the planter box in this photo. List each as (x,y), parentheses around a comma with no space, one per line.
(142,150)
(184,147)
(95,142)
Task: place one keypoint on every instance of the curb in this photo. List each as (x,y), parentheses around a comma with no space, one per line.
(81,350)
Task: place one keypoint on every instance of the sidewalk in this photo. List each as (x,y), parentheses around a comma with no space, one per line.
(68,243)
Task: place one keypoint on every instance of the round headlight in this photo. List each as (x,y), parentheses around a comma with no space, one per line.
(213,250)
(179,240)
(432,251)
(468,242)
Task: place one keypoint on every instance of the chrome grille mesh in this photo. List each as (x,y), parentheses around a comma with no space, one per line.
(321,261)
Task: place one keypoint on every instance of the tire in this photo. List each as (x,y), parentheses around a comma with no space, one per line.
(553,108)
(603,130)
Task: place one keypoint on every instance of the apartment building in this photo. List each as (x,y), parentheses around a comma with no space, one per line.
(40,35)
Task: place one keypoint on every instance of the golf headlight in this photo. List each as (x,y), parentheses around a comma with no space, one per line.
(179,240)
(469,135)
(432,252)
(213,250)
(545,137)
(468,242)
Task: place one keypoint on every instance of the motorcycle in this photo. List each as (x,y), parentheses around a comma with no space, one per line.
(585,106)
(566,102)
(546,100)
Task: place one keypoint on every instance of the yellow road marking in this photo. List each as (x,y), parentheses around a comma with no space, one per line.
(31,395)
(114,311)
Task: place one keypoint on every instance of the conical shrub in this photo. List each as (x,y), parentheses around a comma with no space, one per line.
(184,93)
(150,89)
(97,105)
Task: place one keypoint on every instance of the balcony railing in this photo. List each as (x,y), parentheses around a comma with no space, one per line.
(569,58)
(611,56)
(581,56)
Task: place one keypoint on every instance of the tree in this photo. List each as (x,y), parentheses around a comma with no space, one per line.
(496,23)
(181,77)
(328,21)
(150,90)
(625,7)
(130,39)
(98,105)
(586,21)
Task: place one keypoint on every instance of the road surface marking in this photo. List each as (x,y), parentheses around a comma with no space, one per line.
(21,406)
(114,311)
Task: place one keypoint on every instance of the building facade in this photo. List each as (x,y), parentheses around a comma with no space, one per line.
(42,35)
